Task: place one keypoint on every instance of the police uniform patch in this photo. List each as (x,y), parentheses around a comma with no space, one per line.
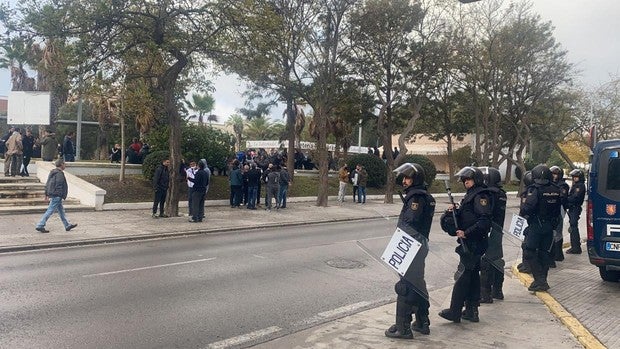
(414,206)
(576,190)
(483,202)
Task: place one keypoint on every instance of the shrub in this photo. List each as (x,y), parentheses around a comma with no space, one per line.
(151,162)
(373,165)
(462,157)
(430,171)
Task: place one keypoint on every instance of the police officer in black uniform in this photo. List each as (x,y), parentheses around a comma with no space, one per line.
(472,228)
(492,263)
(415,219)
(558,237)
(574,201)
(524,266)
(542,211)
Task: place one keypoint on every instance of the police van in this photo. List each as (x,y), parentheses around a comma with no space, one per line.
(603,216)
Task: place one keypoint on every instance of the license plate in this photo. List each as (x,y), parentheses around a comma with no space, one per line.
(612,246)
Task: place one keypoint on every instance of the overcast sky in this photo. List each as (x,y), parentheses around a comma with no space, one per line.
(588,29)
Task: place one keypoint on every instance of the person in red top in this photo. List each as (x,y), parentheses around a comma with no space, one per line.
(136,145)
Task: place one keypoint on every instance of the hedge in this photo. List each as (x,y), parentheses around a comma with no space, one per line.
(151,162)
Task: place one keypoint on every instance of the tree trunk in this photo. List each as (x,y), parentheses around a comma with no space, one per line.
(290,126)
(321,151)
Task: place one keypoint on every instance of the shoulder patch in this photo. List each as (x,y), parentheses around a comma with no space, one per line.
(484,202)
(414,206)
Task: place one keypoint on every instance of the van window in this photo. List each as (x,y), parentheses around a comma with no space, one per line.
(613,173)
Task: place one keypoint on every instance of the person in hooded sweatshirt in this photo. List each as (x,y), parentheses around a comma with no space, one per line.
(56,190)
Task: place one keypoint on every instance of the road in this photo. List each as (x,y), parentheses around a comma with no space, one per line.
(231,289)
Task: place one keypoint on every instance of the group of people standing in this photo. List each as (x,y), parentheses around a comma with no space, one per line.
(246,182)
(19,146)
(358,177)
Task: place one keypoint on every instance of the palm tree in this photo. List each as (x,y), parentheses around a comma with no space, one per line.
(202,104)
(260,129)
(16,57)
(237,123)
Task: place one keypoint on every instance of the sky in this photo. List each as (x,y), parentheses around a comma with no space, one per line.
(588,29)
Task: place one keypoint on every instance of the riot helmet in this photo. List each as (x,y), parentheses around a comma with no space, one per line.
(577,173)
(411,170)
(556,170)
(470,172)
(541,174)
(492,177)
(527,179)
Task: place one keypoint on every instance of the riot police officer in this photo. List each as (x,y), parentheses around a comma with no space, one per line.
(473,221)
(541,208)
(558,238)
(574,201)
(416,217)
(524,266)
(492,263)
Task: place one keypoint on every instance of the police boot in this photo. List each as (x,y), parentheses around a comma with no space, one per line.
(401,329)
(485,295)
(524,267)
(470,313)
(575,242)
(497,292)
(421,324)
(449,315)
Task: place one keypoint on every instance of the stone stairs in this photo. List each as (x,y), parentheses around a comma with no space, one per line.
(27,195)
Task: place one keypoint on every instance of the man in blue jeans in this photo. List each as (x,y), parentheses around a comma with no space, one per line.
(56,190)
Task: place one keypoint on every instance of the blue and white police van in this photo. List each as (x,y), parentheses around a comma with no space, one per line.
(603,213)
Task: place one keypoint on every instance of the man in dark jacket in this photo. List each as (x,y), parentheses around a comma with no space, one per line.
(68,149)
(28,146)
(472,229)
(56,190)
(285,181)
(199,190)
(161,181)
(253,182)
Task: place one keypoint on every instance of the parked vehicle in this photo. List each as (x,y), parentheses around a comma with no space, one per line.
(603,216)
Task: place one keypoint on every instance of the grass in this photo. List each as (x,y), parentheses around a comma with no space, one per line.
(137,189)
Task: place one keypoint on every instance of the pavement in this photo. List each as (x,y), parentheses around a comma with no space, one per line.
(580,310)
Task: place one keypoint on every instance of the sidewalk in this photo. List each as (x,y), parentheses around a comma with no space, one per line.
(577,300)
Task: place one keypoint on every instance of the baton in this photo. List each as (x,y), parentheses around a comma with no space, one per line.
(456,224)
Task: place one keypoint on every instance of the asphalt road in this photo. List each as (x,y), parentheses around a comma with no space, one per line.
(232,289)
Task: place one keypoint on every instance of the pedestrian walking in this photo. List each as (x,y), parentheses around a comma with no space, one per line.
(473,221)
(56,190)
(161,180)
(541,208)
(415,219)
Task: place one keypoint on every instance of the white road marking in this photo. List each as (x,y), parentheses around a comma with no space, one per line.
(366,239)
(258,256)
(343,310)
(227,343)
(149,267)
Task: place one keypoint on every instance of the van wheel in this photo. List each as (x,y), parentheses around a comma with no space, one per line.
(609,275)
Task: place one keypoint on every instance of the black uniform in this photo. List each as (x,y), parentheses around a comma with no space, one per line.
(541,208)
(558,237)
(574,201)
(492,263)
(415,219)
(474,218)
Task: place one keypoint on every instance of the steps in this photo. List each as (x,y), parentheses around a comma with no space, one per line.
(27,195)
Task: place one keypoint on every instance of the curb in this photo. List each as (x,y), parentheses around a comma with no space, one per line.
(129,238)
(574,326)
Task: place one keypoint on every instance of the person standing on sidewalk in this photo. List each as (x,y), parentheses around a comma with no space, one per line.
(574,201)
(285,181)
(273,186)
(189,175)
(56,190)
(492,263)
(200,181)
(343,176)
(542,211)
(253,182)
(354,176)
(28,146)
(49,146)
(473,217)
(361,184)
(416,217)
(14,149)
(68,149)
(236,182)
(161,180)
